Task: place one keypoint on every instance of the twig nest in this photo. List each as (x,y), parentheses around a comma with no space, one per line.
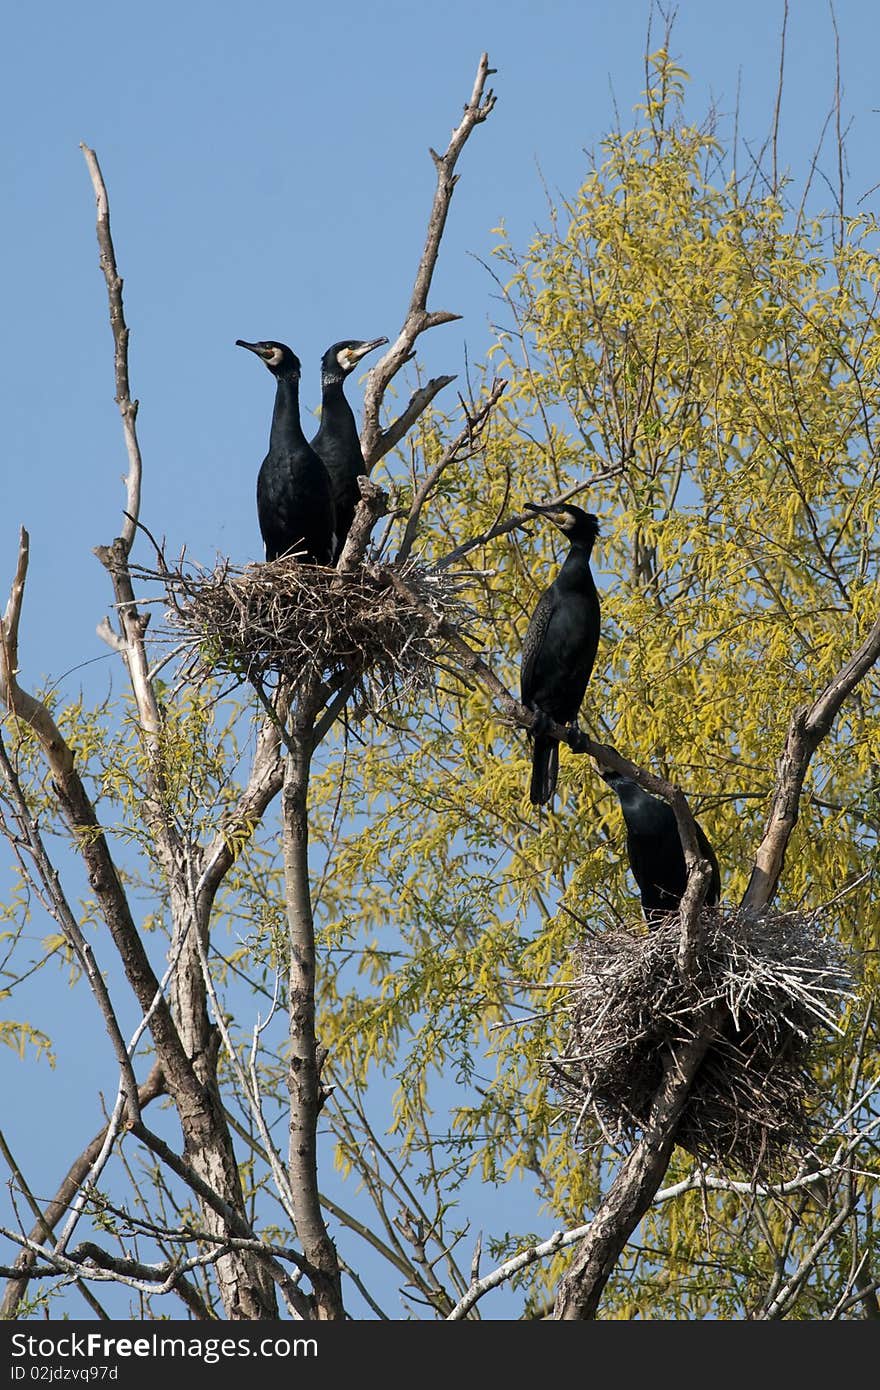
(299,622)
(779,981)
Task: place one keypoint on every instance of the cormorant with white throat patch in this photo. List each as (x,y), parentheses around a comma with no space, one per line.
(561,642)
(337,443)
(294,498)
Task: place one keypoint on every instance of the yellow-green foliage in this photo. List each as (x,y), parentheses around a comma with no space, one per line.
(702,361)
(21,1036)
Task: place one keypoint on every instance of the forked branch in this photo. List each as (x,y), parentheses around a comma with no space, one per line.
(809,725)
(462,446)
(376,441)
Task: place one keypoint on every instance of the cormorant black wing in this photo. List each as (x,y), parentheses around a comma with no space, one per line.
(533,643)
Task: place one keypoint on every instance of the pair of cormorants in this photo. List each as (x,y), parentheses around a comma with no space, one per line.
(307,492)
(558,653)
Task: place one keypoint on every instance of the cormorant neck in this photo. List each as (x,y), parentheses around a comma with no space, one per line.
(584,546)
(286,427)
(641,811)
(334,404)
(574,572)
(332,393)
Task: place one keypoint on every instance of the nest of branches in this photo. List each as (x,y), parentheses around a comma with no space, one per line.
(374,629)
(778,982)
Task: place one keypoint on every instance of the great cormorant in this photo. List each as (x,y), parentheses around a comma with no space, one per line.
(294,497)
(654,848)
(337,443)
(560,643)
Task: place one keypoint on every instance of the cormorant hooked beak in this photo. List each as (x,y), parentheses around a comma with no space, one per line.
(348,357)
(552,510)
(363,348)
(258,348)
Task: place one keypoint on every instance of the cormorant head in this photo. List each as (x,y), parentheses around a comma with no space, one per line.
(618,781)
(579,526)
(641,809)
(277,357)
(342,358)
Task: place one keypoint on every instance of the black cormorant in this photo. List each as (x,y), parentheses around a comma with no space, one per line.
(560,643)
(337,443)
(294,498)
(654,848)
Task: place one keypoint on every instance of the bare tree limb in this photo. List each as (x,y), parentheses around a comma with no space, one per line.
(417,404)
(249,1088)
(778,105)
(632,1191)
(49,889)
(153,1087)
(304,1071)
(696,1182)
(372,506)
(236,1223)
(264,784)
(247,1291)
(91,1261)
(169,1277)
(808,727)
(521,1260)
(127,407)
(375,442)
(460,447)
(782,1300)
(79,815)
(23,1270)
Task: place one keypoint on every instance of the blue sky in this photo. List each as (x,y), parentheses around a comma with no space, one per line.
(269,177)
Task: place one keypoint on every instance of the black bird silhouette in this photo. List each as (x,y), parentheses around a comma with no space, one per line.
(294,498)
(337,443)
(560,643)
(654,848)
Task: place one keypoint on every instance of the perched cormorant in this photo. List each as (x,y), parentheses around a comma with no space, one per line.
(560,643)
(654,848)
(294,498)
(337,443)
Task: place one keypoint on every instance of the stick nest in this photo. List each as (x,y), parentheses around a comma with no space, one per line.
(375,627)
(753,1101)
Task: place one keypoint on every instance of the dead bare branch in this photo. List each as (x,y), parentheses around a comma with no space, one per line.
(247,1289)
(304,1077)
(372,506)
(638,1178)
(79,814)
(152,1088)
(461,446)
(808,727)
(128,408)
(376,441)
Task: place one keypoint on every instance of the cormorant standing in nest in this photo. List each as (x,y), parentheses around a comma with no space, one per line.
(654,848)
(337,443)
(294,498)
(560,643)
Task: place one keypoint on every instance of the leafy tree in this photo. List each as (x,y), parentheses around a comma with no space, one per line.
(360,950)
